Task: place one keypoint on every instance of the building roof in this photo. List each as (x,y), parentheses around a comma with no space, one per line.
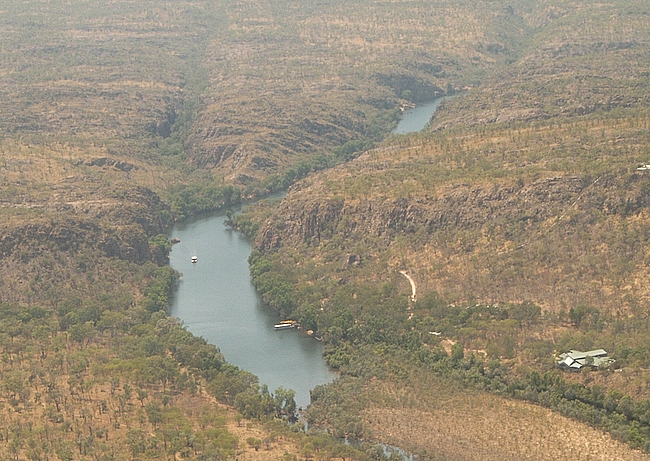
(575,355)
(578,359)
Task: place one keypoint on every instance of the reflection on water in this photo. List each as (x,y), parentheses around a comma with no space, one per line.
(216,300)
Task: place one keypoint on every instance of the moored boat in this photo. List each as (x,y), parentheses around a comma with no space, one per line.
(287,325)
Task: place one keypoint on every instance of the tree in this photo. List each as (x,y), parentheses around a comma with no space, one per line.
(154,413)
(285,403)
(160,368)
(142,395)
(112,321)
(253,442)
(83,333)
(457,352)
(135,438)
(249,404)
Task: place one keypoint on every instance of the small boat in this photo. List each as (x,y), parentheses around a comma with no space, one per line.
(195,259)
(287,325)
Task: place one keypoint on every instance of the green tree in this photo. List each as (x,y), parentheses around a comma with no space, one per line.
(154,413)
(254,443)
(285,403)
(457,352)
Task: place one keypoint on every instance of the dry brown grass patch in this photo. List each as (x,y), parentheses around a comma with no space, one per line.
(477,426)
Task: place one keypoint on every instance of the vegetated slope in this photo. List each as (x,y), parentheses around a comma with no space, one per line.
(95,101)
(517,200)
(553,211)
(110,74)
(92,365)
(91,100)
(475,216)
(88,94)
(290,81)
(582,58)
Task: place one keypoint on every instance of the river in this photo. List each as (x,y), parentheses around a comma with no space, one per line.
(417,118)
(216,300)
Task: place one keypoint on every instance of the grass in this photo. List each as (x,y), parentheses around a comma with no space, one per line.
(436,418)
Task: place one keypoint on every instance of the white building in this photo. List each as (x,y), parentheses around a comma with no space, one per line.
(575,360)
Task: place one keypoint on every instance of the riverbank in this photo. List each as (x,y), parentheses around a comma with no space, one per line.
(216,300)
(417,118)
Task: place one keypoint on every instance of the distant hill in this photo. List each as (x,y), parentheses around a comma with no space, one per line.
(289,83)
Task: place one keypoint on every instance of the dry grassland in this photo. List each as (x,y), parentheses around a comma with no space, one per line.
(473,426)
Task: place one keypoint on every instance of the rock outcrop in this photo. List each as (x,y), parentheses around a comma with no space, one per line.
(455,206)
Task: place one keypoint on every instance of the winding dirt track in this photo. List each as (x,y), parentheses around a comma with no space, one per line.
(413,298)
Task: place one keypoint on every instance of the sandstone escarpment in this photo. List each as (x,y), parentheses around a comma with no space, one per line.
(558,241)
(455,206)
(69,242)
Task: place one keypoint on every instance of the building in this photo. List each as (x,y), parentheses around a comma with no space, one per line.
(575,360)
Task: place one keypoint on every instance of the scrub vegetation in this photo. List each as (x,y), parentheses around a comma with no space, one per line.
(520,216)
(296,87)
(96,104)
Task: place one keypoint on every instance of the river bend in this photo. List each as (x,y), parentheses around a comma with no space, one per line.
(216,300)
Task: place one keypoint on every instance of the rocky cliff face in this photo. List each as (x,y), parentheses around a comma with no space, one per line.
(67,244)
(456,207)
(277,138)
(558,241)
(122,218)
